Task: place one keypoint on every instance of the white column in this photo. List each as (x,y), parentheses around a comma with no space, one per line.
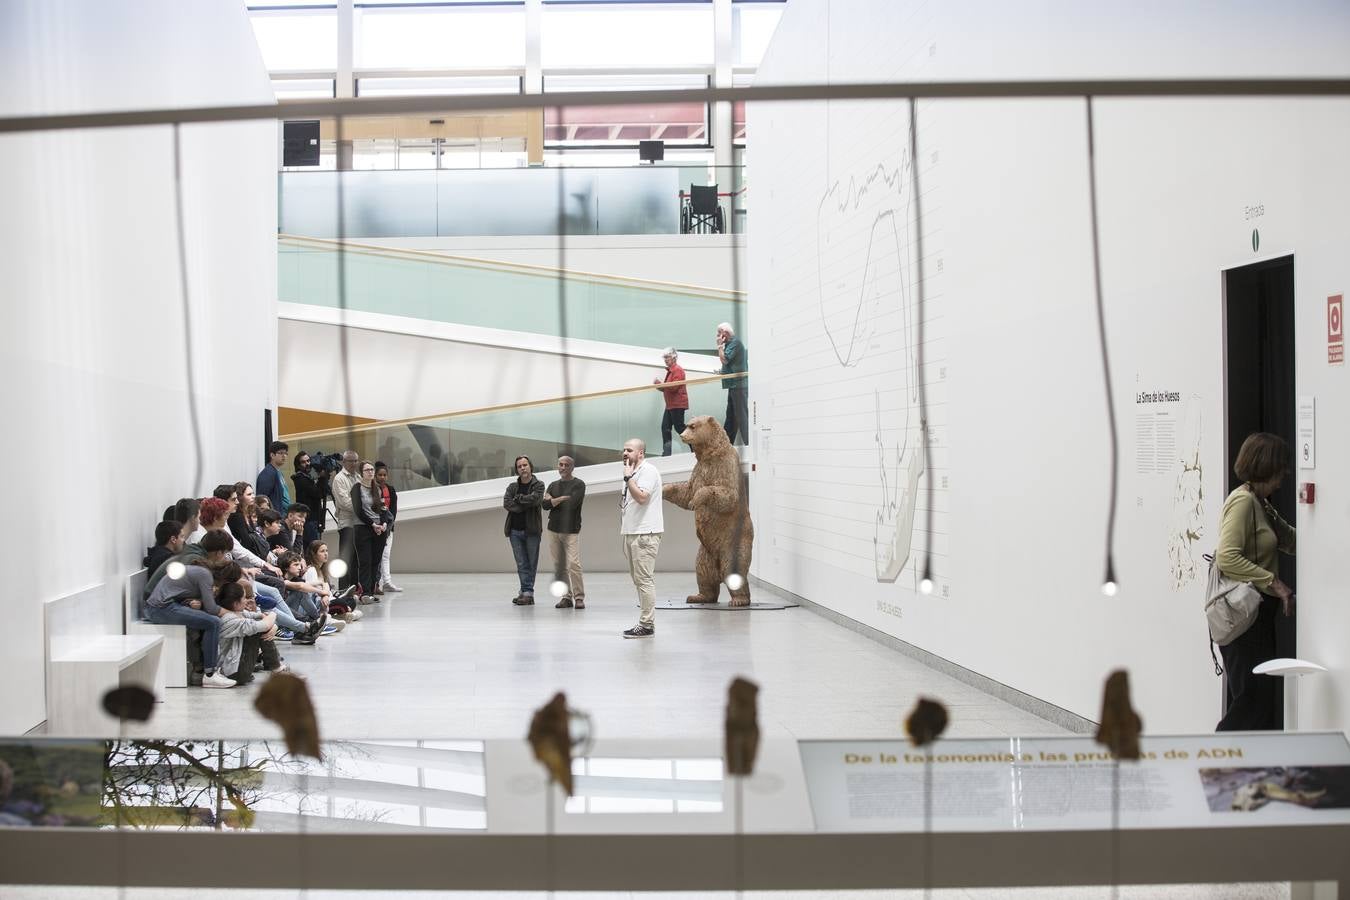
(534,26)
(724,49)
(346,80)
(346,48)
(534,80)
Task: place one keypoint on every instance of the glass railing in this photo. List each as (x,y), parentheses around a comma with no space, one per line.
(478,202)
(467,291)
(480,445)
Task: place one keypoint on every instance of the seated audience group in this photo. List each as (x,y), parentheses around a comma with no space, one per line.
(246,568)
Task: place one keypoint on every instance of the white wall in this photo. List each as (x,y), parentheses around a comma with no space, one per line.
(95,371)
(1019,434)
(401,367)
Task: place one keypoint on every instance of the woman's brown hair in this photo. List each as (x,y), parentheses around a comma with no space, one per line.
(1262,458)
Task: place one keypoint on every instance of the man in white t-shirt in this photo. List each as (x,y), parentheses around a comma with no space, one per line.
(641,526)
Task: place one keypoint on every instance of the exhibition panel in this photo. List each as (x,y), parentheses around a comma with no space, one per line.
(847,814)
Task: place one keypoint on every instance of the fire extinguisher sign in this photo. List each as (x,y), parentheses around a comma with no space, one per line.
(1335,331)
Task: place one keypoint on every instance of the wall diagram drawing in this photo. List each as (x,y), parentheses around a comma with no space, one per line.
(866,311)
(853,297)
(1188,499)
(899,467)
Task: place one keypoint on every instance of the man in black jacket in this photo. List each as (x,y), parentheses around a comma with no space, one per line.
(311,489)
(524,525)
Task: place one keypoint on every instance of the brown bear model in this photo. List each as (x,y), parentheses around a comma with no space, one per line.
(721,517)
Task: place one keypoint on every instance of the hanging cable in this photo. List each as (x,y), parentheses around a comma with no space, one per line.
(181,230)
(565,351)
(343,350)
(736,582)
(561,586)
(1109,586)
(926,576)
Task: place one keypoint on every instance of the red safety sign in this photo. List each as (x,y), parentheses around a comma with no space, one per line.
(1335,332)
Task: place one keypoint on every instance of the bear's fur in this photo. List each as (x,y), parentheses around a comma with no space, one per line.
(721,516)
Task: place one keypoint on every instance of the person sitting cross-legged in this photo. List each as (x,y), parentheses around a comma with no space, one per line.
(189,600)
(240,632)
(306,600)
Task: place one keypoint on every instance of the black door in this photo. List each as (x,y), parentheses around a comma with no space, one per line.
(1259,381)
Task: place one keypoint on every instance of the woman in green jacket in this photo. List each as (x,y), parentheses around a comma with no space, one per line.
(1251,537)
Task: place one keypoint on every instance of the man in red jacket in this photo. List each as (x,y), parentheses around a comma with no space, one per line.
(677,399)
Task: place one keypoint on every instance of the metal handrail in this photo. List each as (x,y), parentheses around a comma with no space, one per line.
(525,404)
(432,256)
(899,90)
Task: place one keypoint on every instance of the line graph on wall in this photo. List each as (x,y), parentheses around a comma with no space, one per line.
(846,315)
(853,299)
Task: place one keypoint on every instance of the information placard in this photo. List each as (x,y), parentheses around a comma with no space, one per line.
(1054,783)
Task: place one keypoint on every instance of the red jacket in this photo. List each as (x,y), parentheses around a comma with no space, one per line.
(676,397)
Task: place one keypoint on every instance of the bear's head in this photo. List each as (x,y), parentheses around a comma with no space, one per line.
(704,435)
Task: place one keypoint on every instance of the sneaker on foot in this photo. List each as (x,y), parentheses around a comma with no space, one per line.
(640,631)
(285,635)
(390,586)
(580,603)
(333,627)
(564,603)
(345,592)
(217,680)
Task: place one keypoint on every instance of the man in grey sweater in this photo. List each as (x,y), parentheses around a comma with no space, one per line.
(190,600)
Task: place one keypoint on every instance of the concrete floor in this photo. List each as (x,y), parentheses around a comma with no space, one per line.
(450,657)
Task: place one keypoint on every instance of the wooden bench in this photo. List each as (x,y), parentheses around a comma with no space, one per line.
(175,668)
(86,657)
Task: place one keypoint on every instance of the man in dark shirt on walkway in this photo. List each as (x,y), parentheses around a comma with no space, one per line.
(563,500)
(731,354)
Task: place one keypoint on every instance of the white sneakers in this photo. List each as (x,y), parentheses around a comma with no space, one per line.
(218,680)
(390,586)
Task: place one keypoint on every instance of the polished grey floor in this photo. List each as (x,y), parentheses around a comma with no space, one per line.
(450,657)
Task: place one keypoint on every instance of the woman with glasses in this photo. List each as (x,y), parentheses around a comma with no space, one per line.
(371,530)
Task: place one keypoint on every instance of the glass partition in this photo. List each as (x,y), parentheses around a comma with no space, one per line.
(481,445)
(467,291)
(481,815)
(245,785)
(478,202)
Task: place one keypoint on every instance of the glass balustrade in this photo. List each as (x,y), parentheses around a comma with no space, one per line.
(479,445)
(464,291)
(568,200)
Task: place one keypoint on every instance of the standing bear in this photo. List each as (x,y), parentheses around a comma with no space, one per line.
(721,516)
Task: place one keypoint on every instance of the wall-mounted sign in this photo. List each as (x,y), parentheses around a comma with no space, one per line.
(1335,331)
(1065,783)
(1307,433)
